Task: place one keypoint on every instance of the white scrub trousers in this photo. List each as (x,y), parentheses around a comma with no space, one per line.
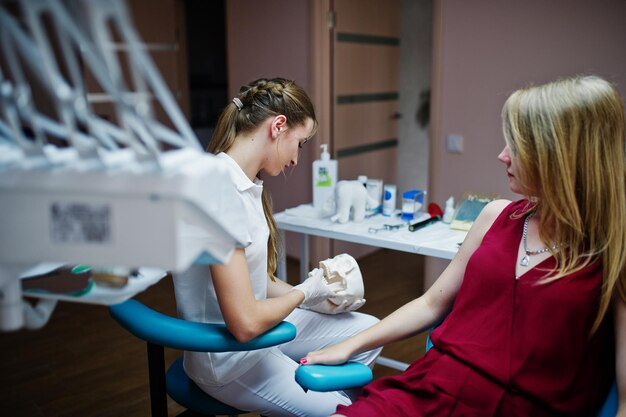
(269,388)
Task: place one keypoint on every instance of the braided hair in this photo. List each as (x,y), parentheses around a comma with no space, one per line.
(256,102)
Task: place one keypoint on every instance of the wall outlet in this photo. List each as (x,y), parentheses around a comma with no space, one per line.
(454,144)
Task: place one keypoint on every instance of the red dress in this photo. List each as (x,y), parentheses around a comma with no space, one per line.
(509,347)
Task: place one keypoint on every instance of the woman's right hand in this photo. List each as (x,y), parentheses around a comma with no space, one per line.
(332,355)
(314,288)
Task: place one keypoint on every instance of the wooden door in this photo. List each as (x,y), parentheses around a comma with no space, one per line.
(365,56)
(159,24)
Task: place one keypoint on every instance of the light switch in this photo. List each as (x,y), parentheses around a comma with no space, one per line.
(454,144)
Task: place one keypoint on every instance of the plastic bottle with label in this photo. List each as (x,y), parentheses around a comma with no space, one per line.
(324,178)
(389,199)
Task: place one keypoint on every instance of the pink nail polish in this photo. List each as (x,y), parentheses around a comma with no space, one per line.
(303,361)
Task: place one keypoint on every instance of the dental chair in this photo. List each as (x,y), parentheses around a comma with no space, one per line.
(326,378)
(160,330)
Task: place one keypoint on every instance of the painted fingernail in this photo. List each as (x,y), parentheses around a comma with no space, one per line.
(303,361)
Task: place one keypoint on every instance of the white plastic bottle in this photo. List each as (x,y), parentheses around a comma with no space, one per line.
(389,199)
(448,212)
(324,178)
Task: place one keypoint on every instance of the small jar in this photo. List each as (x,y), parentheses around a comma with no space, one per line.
(412,202)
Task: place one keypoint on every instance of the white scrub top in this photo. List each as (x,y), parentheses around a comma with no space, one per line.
(195,295)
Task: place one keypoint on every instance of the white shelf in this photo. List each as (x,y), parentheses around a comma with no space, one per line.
(99,294)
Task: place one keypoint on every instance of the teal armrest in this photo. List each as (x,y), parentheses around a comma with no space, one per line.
(325,378)
(161,329)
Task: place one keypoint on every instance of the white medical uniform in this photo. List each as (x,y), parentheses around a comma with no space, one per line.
(261,381)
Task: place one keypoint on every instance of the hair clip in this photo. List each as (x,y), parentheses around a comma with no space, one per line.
(238,103)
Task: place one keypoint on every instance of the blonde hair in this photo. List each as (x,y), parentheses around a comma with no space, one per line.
(568,137)
(259,100)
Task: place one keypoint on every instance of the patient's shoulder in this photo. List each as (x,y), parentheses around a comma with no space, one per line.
(494,208)
(488,215)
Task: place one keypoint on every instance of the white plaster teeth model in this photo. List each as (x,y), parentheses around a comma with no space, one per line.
(343,275)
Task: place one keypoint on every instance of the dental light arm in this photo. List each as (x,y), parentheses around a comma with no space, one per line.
(76,188)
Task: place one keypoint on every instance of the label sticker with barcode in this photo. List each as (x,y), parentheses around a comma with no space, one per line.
(80,223)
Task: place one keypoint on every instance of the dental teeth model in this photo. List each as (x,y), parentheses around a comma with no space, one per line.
(344,277)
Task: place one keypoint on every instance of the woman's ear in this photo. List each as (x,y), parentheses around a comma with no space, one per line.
(279,124)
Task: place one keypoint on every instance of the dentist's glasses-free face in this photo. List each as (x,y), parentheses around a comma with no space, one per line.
(290,143)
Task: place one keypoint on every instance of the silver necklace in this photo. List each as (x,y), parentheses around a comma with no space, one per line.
(526,258)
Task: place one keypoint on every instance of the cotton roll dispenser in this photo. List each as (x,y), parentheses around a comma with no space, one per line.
(412,203)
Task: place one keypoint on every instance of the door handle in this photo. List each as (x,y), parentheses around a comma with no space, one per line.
(396,115)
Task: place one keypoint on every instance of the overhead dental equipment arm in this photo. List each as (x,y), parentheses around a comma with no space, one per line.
(129,192)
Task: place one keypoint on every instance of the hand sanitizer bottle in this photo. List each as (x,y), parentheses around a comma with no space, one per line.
(324,178)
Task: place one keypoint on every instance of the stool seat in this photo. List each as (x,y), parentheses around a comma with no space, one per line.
(160,330)
(186,393)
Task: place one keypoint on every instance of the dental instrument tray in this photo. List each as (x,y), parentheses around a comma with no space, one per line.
(91,293)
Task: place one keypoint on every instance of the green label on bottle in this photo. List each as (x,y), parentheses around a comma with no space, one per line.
(323,179)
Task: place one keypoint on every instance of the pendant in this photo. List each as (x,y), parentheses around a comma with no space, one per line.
(525,260)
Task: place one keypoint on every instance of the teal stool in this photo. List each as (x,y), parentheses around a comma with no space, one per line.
(160,330)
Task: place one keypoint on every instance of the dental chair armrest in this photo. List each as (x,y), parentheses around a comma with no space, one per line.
(324,378)
(609,408)
(161,329)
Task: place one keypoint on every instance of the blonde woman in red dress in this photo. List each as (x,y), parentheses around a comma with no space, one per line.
(537,291)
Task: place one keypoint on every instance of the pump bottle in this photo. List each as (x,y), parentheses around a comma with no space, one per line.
(324,178)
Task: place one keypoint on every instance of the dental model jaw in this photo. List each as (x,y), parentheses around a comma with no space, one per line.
(343,276)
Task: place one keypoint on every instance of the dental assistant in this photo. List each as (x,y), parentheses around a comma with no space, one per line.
(263,129)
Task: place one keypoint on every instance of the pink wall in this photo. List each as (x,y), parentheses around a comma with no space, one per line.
(483,50)
(486,49)
(271,38)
